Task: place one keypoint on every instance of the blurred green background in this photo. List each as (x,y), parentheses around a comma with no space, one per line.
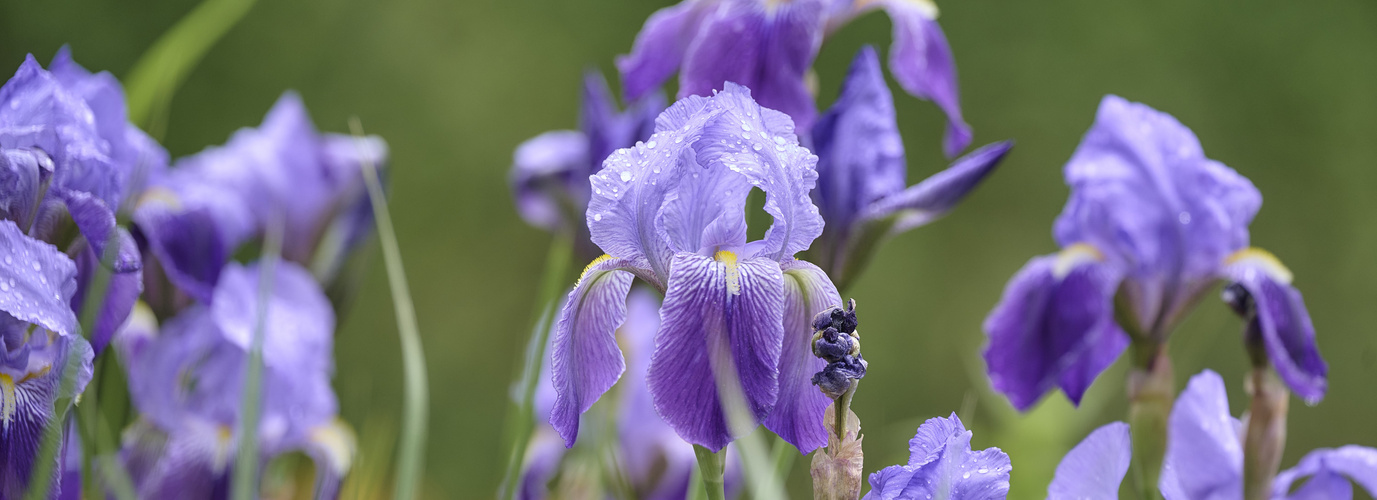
(1285,92)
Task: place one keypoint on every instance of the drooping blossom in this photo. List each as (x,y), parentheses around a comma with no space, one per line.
(942,466)
(186,380)
(1151,225)
(1204,458)
(549,175)
(656,464)
(737,313)
(194,217)
(769,46)
(861,174)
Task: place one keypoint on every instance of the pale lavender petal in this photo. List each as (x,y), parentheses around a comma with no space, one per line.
(1287,333)
(942,466)
(585,358)
(545,172)
(1143,192)
(1330,466)
(659,47)
(937,195)
(1094,468)
(24,173)
(36,281)
(1054,327)
(720,333)
(921,61)
(705,211)
(759,143)
(1324,485)
(540,465)
(1204,450)
(800,408)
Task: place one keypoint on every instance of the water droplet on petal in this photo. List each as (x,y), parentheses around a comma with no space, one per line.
(745,127)
(597,217)
(650,144)
(626,176)
(756,146)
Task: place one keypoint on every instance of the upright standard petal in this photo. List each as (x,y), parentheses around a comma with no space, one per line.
(660,46)
(1282,321)
(1143,192)
(800,408)
(1331,469)
(585,359)
(36,281)
(1094,468)
(759,144)
(942,466)
(718,347)
(1204,449)
(922,63)
(1054,327)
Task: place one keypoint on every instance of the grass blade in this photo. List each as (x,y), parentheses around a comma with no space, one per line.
(162,69)
(411,451)
(245,481)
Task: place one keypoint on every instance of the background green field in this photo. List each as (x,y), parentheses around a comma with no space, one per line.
(1285,92)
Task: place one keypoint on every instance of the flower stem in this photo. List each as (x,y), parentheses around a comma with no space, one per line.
(711,466)
(1265,437)
(1150,398)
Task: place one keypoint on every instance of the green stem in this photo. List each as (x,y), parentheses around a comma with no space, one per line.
(416,409)
(1150,394)
(712,466)
(521,416)
(1265,437)
(246,462)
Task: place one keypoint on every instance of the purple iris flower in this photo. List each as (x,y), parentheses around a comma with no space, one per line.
(942,466)
(1205,457)
(196,215)
(186,378)
(769,46)
(861,189)
(549,175)
(671,210)
(654,461)
(69,158)
(1150,226)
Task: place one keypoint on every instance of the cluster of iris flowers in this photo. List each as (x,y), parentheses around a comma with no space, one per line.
(699,335)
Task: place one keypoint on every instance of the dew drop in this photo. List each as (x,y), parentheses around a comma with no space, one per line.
(597,217)
(650,144)
(4,287)
(1184,218)
(626,176)
(745,127)
(982,470)
(966,476)
(37,267)
(756,146)
(8,260)
(679,139)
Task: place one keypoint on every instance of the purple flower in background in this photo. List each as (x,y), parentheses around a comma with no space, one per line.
(30,382)
(196,215)
(942,466)
(736,314)
(1205,457)
(549,175)
(1150,226)
(861,170)
(69,158)
(769,46)
(186,380)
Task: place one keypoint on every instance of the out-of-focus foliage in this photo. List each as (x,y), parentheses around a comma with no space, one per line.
(1284,92)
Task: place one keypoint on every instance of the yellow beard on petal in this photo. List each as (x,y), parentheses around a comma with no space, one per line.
(1262,259)
(728,260)
(1075,255)
(8,402)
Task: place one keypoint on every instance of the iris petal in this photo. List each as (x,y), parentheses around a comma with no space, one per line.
(921,61)
(585,358)
(36,281)
(1204,451)
(935,196)
(942,466)
(1094,468)
(1287,334)
(1330,468)
(799,411)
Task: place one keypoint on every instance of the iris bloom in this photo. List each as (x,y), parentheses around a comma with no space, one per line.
(736,314)
(769,47)
(1150,226)
(1205,457)
(654,461)
(942,466)
(196,215)
(68,160)
(186,379)
(549,175)
(861,189)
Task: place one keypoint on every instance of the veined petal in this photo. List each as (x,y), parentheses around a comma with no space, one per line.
(937,195)
(942,466)
(1204,450)
(920,59)
(759,144)
(1054,327)
(36,281)
(659,47)
(720,337)
(25,172)
(1094,468)
(800,408)
(1287,333)
(585,358)
(1331,469)
(28,391)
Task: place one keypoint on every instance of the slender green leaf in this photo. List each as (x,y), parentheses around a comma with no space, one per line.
(411,452)
(245,481)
